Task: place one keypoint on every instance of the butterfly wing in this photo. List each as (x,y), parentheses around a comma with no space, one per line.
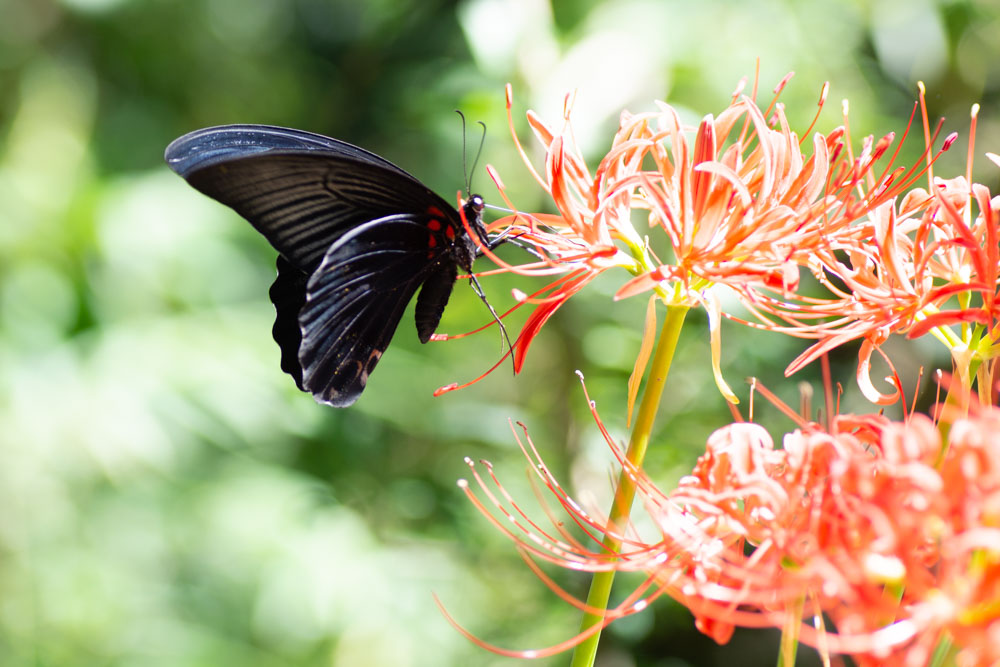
(302,191)
(288,294)
(355,299)
(356,237)
(215,145)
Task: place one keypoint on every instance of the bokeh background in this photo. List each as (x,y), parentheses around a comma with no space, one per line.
(167,497)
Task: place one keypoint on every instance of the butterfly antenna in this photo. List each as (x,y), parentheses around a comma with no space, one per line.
(478,289)
(482,142)
(465,151)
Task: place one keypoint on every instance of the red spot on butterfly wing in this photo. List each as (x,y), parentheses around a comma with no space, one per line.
(432,238)
(435,225)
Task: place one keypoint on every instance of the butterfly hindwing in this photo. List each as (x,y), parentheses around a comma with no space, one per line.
(288,294)
(355,299)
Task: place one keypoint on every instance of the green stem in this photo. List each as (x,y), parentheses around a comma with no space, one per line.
(600,585)
(790,635)
(944,653)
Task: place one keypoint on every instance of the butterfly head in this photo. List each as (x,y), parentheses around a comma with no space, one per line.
(473,211)
(476,204)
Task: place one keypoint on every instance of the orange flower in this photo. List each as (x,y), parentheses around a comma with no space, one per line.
(878,526)
(923,264)
(738,201)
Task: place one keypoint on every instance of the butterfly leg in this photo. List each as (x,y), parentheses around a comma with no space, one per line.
(478,289)
(507,236)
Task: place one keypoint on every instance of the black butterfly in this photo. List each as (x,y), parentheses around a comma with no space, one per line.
(355,234)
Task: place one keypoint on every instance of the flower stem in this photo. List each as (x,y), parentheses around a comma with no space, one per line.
(600,585)
(790,635)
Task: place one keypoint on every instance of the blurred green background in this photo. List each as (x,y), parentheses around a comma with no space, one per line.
(167,497)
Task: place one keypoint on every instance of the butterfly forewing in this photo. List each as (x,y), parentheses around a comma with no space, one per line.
(219,145)
(301,203)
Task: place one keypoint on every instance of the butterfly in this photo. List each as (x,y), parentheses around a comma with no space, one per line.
(356,238)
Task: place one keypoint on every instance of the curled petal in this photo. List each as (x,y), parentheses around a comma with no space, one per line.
(539,316)
(864,377)
(714,310)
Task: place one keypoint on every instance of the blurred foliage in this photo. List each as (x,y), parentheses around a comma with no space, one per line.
(169,498)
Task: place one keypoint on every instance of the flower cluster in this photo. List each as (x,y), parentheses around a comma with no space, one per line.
(744,207)
(922,265)
(869,537)
(884,528)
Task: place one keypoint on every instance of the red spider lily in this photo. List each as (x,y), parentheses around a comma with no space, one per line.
(738,201)
(922,266)
(880,526)
(593,213)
